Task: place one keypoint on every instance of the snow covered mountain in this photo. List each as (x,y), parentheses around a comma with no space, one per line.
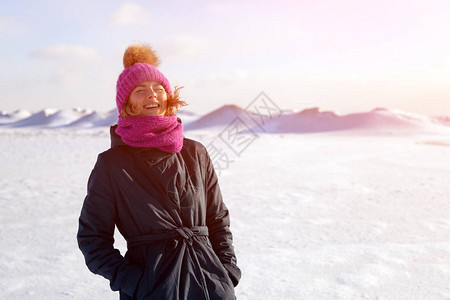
(7,118)
(378,120)
(52,118)
(310,120)
(220,118)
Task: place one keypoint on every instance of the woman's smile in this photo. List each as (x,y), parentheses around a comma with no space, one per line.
(151,106)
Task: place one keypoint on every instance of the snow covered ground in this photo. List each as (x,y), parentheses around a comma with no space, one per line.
(344,214)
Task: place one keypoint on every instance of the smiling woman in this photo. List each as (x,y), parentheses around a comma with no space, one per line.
(161,191)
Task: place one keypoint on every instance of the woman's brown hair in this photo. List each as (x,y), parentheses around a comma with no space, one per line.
(174,103)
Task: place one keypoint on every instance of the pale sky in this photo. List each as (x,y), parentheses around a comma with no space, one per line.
(341,55)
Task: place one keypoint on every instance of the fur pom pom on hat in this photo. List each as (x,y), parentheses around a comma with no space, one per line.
(140,63)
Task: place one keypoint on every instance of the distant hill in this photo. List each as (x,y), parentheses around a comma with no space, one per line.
(70,118)
(95,119)
(221,117)
(379,120)
(8,118)
(310,120)
(50,118)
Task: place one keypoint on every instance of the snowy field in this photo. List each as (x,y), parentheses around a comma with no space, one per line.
(327,215)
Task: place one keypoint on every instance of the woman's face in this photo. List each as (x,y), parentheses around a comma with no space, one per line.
(150,98)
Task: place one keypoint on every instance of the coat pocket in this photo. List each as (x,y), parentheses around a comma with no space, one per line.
(212,262)
(220,285)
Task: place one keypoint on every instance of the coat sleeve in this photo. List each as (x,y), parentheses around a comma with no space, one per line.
(96,234)
(218,222)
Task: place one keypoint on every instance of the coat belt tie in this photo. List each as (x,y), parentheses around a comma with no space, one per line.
(184,232)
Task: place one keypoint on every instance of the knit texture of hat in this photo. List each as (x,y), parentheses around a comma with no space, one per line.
(140,64)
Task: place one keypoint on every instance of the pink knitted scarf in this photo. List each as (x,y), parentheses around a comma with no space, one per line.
(162,132)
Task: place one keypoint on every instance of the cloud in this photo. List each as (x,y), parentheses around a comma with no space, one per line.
(130,14)
(12,25)
(66,77)
(230,7)
(229,78)
(185,47)
(69,53)
(6,22)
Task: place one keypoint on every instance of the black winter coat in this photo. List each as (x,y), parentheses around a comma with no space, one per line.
(169,208)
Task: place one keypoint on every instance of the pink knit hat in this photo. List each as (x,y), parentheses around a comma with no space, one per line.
(140,64)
